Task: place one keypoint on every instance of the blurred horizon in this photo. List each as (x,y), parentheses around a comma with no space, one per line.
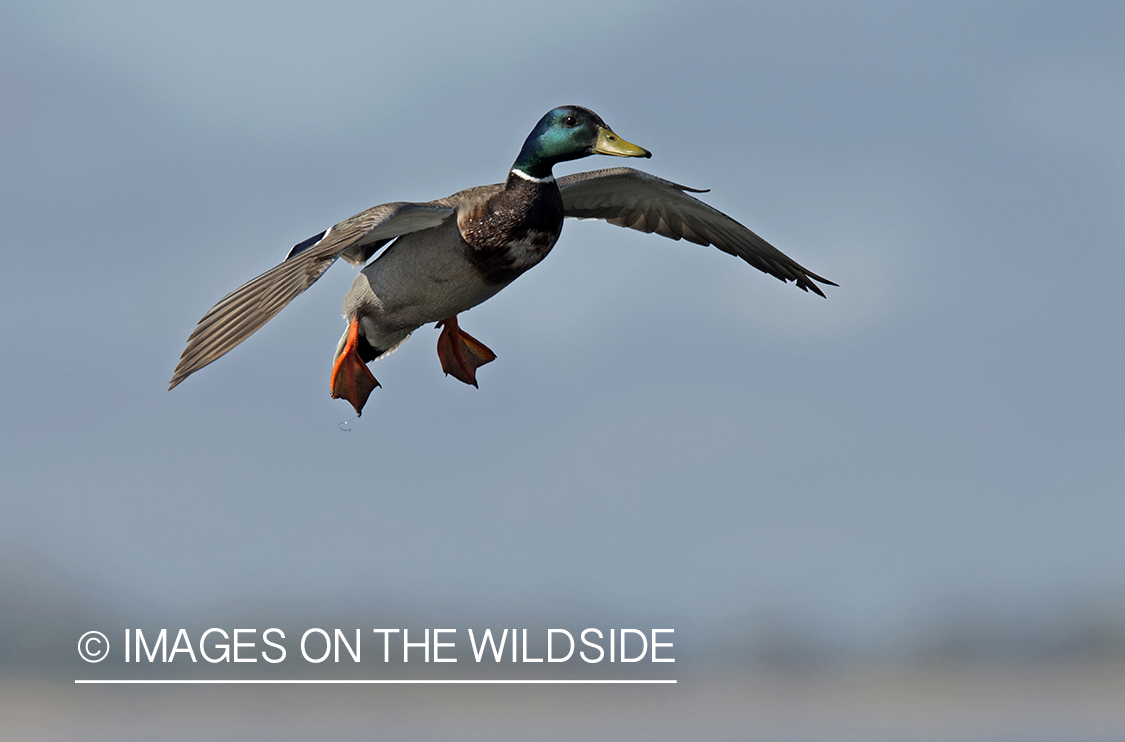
(916,478)
(42,604)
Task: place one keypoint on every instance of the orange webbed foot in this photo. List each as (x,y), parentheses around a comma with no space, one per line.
(351,379)
(460,353)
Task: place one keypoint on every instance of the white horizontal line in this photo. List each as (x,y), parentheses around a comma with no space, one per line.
(372,682)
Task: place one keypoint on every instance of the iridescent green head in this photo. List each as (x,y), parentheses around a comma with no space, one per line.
(568,133)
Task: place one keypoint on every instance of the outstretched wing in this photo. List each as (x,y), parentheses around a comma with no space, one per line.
(242,312)
(635,199)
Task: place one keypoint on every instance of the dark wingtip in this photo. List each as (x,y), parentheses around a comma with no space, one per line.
(808,282)
(816,288)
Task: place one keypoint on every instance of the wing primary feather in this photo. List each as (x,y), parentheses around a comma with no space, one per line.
(637,200)
(239,314)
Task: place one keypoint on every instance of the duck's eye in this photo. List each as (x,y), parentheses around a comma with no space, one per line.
(570,121)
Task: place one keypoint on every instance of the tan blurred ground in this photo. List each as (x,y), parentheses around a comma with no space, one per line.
(1061,702)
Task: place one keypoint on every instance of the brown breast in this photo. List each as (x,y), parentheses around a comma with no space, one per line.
(512,230)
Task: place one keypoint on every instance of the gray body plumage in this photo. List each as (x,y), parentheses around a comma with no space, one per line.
(421,277)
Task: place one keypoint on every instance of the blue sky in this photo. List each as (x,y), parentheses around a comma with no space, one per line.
(667,432)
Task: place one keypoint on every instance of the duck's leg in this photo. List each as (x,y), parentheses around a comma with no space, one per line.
(460,353)
(351,379)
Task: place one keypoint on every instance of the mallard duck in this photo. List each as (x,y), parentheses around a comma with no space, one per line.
(451,254)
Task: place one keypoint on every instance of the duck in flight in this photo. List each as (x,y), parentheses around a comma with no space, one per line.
(451,254)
